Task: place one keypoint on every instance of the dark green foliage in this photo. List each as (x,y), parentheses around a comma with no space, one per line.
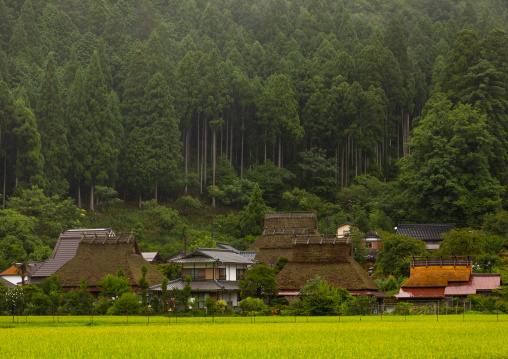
(252,218)
(259,282)
(395,255)
(127,303)
(115,286)
(321,298)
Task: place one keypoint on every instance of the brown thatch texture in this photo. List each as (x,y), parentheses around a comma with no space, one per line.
(437,276)
(94,261)
(329,261)
(280,230)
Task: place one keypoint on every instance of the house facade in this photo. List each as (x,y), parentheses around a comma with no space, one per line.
(213,272)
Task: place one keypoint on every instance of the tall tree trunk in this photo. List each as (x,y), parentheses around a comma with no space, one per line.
(205,146)
(92,202)
(228,157)
(139,201)
(265,144)
(231,144)
(279,162)
(214,158)
(79,195)
(198,154)
(155,194)
(187,138)
(241,159)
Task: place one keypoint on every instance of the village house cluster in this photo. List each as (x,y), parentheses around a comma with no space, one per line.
(214,272)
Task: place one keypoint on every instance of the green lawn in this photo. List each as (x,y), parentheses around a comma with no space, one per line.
(474,336)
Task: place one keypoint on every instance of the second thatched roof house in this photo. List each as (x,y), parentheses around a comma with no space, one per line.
(330,259)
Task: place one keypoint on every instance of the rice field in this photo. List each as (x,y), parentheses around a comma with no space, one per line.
(472,336)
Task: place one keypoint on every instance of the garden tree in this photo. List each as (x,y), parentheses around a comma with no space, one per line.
(253,216)
(393,258)
(127,302)
(29,159)
(271,180)
(462,242)
(143,284)
(102,148)
(78,302)
(50,117)
(321,298)
(51,284)
(170,270)
(447,174)
(259,282)
(251,305)
(115,286)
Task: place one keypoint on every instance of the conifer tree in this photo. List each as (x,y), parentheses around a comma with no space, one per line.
(55,147)
(76,117)
(29,159)
(101,148)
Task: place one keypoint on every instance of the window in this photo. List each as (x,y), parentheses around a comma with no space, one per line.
(222,273)
(197,274)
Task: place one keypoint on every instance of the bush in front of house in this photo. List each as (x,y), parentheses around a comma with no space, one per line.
(127,302)
(252,305)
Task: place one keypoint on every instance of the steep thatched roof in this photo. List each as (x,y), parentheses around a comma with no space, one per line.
(328,259)
(280,230)
(96,258)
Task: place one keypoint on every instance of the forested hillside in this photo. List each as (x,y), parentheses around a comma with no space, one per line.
(399,106)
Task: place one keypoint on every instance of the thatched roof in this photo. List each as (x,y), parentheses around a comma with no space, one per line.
(437,276)
(328,259)
(65,249)
(96,258)
(280,230)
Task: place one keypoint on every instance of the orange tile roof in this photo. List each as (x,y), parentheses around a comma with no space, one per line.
(437,276)
(12,270)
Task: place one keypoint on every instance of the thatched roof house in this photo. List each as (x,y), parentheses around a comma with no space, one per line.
(96,257)
(280,230)
(445,277)
(65,249)
(331,259)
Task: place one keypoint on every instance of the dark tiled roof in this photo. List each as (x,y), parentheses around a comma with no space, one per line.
(206,255)
(226,246)
(200,285)
(249,254)
(65,249)
(425,232)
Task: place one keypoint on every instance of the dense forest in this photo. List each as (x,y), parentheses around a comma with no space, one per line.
(395,111)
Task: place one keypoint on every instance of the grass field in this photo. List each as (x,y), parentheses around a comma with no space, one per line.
(474,336)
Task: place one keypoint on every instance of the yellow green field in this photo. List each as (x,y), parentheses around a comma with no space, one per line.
(475,336)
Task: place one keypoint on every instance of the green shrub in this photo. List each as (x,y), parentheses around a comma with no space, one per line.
(249,305)
(127,302)
(403,309)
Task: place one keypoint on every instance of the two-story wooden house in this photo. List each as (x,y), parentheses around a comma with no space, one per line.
(214,273)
